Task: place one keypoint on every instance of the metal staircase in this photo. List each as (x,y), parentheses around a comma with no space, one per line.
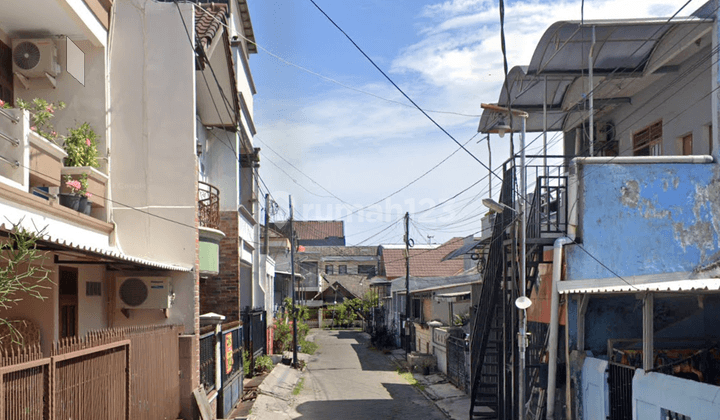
(493,343)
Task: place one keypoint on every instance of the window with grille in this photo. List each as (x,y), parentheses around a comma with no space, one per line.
(648,141)
(328,269)
(342,269)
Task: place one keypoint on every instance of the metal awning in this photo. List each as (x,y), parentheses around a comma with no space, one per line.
(687,285)
(466,249)
(624,50)
(453,297)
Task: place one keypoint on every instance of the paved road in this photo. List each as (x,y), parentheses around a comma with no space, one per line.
(347,380)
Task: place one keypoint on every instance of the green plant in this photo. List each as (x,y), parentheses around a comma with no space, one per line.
(299,386)
(263,364)
(308,347)
(246,363)
(78,186)
(81,147)
(21,272)
(283,334)
(41,112)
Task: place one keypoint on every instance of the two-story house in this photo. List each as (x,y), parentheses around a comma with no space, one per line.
(630,212)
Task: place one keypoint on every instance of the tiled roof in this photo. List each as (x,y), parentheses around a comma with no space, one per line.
(209,21)
(319,229)
(423,262)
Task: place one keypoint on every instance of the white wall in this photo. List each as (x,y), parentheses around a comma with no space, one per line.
(84,103)
(682,104)
(595,390)
(153,151)
(653,392)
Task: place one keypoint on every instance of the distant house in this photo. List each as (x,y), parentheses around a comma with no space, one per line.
(425,260)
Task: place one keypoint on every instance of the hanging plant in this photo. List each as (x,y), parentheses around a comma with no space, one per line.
(41,113)
(81,147)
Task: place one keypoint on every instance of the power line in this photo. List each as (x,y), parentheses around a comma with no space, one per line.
(402,92)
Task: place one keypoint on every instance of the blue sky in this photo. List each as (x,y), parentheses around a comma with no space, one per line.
(337,120)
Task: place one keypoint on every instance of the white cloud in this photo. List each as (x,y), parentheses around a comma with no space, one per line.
(363,148)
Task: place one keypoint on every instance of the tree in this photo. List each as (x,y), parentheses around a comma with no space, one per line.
(21,273)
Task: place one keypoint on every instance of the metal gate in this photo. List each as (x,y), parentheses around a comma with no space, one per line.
(231,348)
(620,389)
(457,349)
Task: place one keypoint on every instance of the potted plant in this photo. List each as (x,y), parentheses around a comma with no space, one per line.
(46,156)
(82,160)
(77,197)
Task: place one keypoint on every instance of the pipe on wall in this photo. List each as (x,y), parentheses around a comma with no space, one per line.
(554,325)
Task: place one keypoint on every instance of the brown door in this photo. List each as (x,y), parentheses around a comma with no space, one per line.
(68,301)
(687,145)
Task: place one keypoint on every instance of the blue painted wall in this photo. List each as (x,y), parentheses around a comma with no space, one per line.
(645,219)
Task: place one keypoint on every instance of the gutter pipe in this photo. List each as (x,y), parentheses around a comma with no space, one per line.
(554,325)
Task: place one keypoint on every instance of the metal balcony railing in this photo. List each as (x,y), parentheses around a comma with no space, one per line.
(208,205)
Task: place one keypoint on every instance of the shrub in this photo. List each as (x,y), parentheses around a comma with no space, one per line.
(81,147)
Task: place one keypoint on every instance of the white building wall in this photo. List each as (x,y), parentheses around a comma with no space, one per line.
(676,102)
(154,172)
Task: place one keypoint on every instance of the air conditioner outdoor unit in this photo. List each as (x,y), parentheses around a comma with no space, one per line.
(35,58)
(143,292)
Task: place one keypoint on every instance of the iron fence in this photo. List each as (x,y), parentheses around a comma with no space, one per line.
(231,370)
(207,360)
(457,349)
(208,205)
(255,323)
(620,391)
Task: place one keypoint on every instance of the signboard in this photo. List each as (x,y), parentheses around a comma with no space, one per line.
(228,353)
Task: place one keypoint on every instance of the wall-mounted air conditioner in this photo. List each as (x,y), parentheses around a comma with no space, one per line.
(143,292)
(35,58)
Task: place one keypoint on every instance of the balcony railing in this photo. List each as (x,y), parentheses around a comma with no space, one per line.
(208,205)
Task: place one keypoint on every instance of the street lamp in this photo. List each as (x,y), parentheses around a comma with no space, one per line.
(523,300)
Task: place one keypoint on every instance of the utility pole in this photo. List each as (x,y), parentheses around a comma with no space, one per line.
(407,283)
(292,284)
(266,242)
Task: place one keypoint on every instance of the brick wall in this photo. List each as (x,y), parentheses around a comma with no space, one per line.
(221,294)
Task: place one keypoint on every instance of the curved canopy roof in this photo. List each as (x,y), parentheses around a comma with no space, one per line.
(641,50)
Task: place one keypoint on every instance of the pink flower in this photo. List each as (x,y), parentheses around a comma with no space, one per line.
(54,134)
(88,142)
(88,195)
(33,128)
(74,185)
(2,103)
(50,109)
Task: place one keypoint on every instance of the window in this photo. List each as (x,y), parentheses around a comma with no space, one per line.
(93,288)
(328,269)
(342,269)
(648,141)
(366,269)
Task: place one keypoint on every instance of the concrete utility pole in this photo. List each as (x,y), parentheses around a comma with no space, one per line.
(407,283)
(292,284)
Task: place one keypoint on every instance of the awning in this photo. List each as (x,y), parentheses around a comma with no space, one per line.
(631,52)
(108,255)
(453,297)
(687,285)
(465,249)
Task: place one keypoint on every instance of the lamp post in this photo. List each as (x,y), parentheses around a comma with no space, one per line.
(522,302)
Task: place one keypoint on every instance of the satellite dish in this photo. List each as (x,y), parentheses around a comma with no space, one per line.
(523,302)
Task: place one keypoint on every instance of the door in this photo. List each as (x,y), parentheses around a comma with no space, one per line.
(68,301)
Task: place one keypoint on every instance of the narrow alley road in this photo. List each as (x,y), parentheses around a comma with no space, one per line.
(347,380)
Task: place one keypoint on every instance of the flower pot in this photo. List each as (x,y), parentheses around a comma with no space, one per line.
(69,200)
(84,206)
(97,182)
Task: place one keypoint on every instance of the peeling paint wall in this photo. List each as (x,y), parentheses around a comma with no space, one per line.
(639,219)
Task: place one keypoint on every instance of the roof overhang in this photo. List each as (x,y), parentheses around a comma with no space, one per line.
(632,53)
(672,282)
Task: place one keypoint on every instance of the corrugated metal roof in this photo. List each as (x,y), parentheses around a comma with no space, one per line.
(96,251)
(623,50)
(687,285)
